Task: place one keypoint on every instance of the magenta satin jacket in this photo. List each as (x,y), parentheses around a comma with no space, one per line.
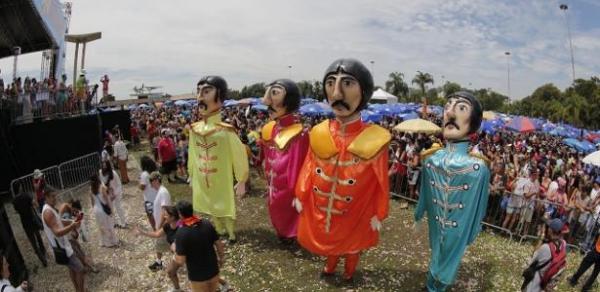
(285,143)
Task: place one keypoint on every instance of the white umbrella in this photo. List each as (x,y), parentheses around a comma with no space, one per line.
(593,159)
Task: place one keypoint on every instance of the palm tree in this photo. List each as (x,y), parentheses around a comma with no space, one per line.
(422,79)
(396,85)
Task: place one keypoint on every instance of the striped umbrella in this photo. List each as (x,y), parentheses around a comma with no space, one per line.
(521,125)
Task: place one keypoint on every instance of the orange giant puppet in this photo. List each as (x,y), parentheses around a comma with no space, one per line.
(342,193)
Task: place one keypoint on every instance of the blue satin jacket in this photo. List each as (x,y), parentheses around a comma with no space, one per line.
(454,192)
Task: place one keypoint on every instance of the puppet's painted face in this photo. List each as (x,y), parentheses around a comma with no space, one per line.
(457,118)
(207,99)
(273,99)
(343,94)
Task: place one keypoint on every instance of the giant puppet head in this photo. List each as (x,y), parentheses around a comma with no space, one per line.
(281,97)
(211,93)
(348,86)
(462,116)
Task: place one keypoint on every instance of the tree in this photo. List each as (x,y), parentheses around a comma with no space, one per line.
(233,94)
(318,90)
(254,90)
(396,85)
(306,88)
(451,87)
(546,92)
(422,79)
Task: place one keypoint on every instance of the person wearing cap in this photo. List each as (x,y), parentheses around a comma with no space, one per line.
(216,157)
(541,261)
(454,190)
(162,199)
(343,191)
(285,143)
(39,184)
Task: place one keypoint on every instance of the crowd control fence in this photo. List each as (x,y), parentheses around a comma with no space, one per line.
(522,219)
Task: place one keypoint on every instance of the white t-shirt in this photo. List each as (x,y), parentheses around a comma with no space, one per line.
(8,287)
(163,198)
(149,192)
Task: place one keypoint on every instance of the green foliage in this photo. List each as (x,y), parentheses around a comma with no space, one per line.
(233,94)
(254,90)
(422,79)
(451,87)
(491,100)
(396,85)
(306,88)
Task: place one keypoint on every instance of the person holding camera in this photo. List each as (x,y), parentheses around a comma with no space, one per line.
(57,233)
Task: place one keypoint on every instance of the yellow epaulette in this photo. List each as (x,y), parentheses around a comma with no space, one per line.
(267,131)
(428,152)
(478,155)
(370,142)
(226,126)
(197,127)
(321,142)
(286,135)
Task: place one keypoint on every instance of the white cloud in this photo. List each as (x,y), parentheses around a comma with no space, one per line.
(174,43)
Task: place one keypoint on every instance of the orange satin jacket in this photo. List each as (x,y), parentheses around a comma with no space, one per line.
(343,183)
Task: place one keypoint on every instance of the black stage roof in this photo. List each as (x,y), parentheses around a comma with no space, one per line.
(21,25)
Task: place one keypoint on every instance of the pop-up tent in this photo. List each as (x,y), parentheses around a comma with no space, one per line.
(382,96)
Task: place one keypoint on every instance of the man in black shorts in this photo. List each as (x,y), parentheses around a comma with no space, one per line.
(197,245)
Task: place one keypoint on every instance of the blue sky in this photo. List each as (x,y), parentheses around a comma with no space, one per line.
(174,43)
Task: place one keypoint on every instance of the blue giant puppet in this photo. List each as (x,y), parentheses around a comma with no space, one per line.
(454,190)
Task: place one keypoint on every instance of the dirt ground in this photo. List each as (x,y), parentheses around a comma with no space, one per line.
(258,262)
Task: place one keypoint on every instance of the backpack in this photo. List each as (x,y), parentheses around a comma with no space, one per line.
(557,263)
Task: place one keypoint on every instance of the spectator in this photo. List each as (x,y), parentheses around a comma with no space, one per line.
(163,198)
(148,166)
(166,234)
(31,221)
(167,155)
(39,186)
(70,212)
(591,258)
(56,233)
(104,212)
(5,285)
(121,155)
(198,247)
(111,180)
(549,259)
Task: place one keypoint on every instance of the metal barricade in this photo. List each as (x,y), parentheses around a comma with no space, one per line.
(52,178)
(67,176)
(76,172)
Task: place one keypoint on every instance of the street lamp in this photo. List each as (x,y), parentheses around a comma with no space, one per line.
(508,72)
(290,71)
(564,8)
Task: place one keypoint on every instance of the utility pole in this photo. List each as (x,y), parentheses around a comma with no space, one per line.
(508,72)
(564,8)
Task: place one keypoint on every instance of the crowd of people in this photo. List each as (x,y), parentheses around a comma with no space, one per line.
(538,187)
(28,97)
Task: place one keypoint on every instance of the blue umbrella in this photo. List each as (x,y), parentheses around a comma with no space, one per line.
(311,109)
(229,102)
(581,146)
(260,107)
(408,116)
(182,102)
(370,116)
(489,127)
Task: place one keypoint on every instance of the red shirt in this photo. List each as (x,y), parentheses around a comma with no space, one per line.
(166,149)
(133,131)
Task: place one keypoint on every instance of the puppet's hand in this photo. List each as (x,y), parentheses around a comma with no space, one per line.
(240,188)
(375,224)
(296,204)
